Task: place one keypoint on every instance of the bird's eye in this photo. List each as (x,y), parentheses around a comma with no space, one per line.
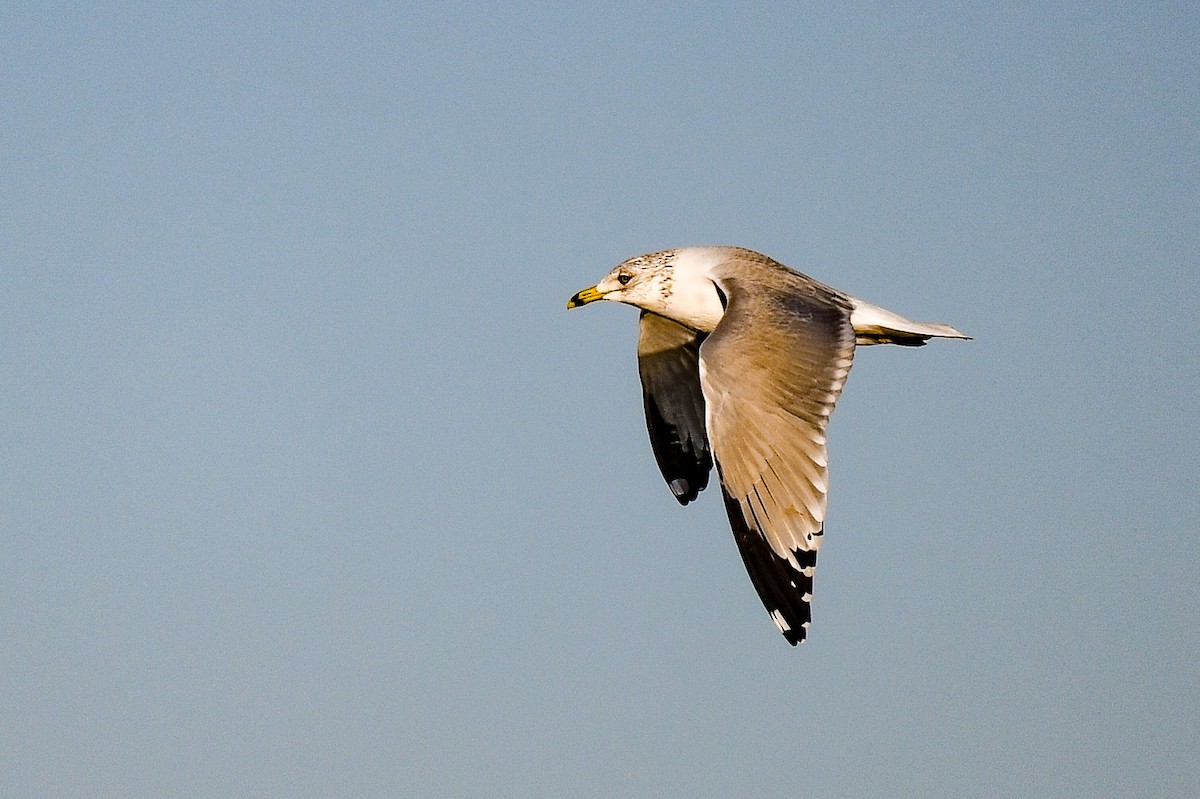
(624,278)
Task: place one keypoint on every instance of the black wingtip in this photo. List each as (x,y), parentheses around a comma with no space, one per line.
(785,592)
(686,490)
(682,490)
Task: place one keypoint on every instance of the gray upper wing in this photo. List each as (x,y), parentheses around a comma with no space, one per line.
(668,363)
(771,372)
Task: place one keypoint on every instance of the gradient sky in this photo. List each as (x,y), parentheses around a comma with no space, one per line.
(312,487)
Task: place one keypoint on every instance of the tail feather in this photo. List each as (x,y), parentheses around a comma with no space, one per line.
(875,325)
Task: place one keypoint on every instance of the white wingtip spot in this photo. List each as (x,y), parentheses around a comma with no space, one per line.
(807,596)
(777,617)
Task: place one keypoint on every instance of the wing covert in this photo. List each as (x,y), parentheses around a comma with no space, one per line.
(771,372)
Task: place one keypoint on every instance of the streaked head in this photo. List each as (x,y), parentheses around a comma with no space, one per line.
(671,283)
(644,281)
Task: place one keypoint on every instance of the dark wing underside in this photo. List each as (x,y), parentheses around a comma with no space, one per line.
(668,363)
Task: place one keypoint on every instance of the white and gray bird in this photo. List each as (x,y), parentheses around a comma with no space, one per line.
(741,361)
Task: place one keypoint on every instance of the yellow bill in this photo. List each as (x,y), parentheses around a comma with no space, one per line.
(584,297)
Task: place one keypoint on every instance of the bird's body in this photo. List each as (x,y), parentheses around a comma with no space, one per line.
(742,360)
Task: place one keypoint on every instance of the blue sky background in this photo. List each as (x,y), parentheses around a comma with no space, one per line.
(312,487)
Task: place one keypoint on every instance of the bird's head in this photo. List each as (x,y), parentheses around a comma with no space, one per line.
(645,281)
(671,283)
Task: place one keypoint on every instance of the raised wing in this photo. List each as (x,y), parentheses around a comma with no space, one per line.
(771,372)
(668,362)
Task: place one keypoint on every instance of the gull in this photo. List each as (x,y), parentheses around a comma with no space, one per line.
(741,361)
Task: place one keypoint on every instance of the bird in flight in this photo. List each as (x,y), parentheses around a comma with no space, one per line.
(741,361)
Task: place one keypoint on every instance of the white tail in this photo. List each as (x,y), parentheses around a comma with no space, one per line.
(875,325)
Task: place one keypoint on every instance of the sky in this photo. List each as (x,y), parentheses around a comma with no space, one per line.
(311,486)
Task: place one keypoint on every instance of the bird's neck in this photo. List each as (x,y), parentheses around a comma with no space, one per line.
(693,299)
